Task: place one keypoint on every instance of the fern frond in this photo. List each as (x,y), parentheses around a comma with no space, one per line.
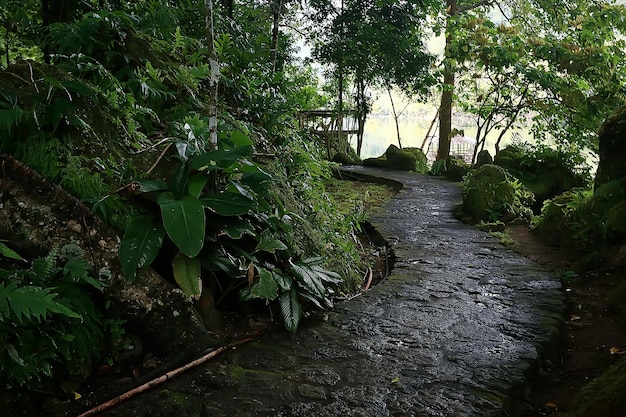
(29,302)
(45,268)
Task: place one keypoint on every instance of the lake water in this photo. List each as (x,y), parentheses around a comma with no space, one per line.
(380,132)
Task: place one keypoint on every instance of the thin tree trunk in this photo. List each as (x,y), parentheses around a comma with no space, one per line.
(447,95)
(340,87)
(395,117)
(215,75)
(430,128)
(275,7)
(361,113)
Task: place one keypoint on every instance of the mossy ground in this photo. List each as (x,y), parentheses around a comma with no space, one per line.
(584,378)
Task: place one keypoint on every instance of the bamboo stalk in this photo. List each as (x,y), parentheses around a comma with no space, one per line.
(161,379)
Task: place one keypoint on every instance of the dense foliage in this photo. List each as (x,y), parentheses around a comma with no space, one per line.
(558,69)
(111,103)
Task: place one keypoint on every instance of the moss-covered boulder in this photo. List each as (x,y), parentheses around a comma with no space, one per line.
(604,396)
(607,207)
(456,169)
(557,218)
(380,162)
(544,171)
(490,194)
(410,159)
(616,220)
(400,159)
(612,148)
(421,161)
(588,222)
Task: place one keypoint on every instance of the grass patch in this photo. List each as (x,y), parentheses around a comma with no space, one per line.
(354,197)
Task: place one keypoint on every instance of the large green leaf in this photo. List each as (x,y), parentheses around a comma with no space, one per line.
(265,287)
(257,180)
(145,186)
(7,252)
(221,158)
(30,302)
(269,243)
(236,229)
(196,183)
(309,278)
(187,274)
(290,309)
(239,138)
(228,204)
(140,245)
(184,222)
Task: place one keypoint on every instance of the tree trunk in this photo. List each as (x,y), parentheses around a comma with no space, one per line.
(340,88)
(445,109)
(395,117)
(361,113)
(215,74)
(275,7)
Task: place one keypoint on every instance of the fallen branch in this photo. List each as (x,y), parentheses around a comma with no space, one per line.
(163,378)
(159,158)
(369,279)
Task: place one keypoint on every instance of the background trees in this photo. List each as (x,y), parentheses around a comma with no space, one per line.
(560,66)
(373,45)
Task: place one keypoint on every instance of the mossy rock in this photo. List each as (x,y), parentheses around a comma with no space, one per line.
(421,161)
(509,158)
(483,158)
(617,218)
(612,148)
(456,169)
(546,178)
(342,158)
(604,396)
(399,159)
(486,193)
(410,159)
(552,225)
(608,206)
(380,162)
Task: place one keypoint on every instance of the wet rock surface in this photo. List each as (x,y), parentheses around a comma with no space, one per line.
(455,330)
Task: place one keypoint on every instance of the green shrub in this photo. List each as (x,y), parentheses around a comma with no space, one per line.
(48,320)
(546,171)
(490,193)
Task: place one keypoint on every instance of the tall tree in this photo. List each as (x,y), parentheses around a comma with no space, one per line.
(453,10)
(215,73)
(565,66)
(376,44)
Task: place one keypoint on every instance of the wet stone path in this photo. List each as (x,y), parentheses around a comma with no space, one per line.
(454,331)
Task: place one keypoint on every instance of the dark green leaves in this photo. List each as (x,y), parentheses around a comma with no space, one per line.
(184,222)
(265,287)
(187,274)
(228,204)
(140,246)
(29,303)
(290,309)
(221,158)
